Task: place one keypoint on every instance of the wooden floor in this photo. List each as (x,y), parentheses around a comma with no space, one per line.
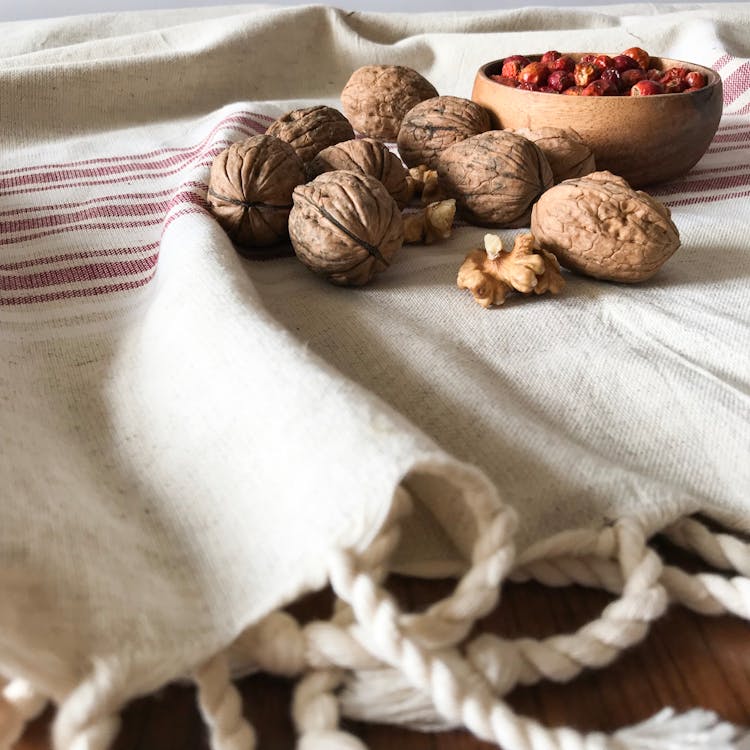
(686,661)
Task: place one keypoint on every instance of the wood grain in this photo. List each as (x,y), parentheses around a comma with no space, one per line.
(686,661)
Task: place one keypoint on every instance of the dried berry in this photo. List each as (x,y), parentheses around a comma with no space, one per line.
(312,129)
(623,63)
(630,77)
(549,57)
(566,152)
(345,226)
(495,177)
(250,191)
(513,65)
(598,225)
(641,57)
(585,73)
(505,80)
(434,124)
(369,157)
(559,80)
(695,80)
(376,98)
(599,88)
(535,73)
(646,88)
(564,63)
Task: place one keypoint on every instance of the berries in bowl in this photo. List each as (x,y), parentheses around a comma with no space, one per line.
(648,119)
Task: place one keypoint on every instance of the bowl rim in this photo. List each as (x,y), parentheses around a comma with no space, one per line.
(713,78)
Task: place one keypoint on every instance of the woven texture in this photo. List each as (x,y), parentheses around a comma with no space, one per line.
(187,436)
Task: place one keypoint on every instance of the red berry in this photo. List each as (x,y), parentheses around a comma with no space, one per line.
(548,90)
(647,88)
(674,85)
(630,77)
(603,61)
(573,91)
(587,59)
(612,77)
(584,73)
(559,80)
(640,56)
(550,57)
(599,88)
(563,63)
(535,72)
(652,74)
(623,62)
(505,81)
(528,86)
(695,80)
(512,65)
(673,74)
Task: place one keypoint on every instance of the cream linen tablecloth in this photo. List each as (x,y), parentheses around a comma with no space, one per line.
(191,440)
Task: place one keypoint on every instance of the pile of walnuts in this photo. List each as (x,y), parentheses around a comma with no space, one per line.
(339,199)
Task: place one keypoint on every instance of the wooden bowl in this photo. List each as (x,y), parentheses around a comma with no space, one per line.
(645,139)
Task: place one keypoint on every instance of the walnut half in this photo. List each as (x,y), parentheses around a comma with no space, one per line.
(492,274)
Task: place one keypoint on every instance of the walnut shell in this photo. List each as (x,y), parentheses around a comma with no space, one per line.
(311,129)
(250,190)
(376,98)
(566,151)
(369,157)
(434,124)
(345,226)
(598,225)
(495,177)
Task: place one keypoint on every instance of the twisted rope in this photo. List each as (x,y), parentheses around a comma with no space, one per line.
(19,704)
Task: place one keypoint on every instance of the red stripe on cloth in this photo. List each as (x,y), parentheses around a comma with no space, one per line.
(707,199)
(248,119)
(81,228)
(725,149)
(736,136)
(711,170)
(721,62)
(77,256)
(202,186)
(210,155)
(736,83)
(77,274)
(133,210)
(97,291)
(702,186)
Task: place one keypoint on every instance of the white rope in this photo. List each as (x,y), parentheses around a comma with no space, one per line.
(723,551)
(19,704)
(88,719)
(221,706)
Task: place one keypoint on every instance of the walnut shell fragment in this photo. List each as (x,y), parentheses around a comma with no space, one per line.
(566,151)
(308,131)
(599,226)
(492,274)
(250,191)
(495,177)
(369,157)
(433,223)
(345,226)
(434,124)
(376,98)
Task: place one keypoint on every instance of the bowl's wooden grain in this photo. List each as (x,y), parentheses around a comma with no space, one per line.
(645,139)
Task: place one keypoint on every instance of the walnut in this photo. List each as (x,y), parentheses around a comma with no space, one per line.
(492,274)
(598,225)
(369,157)
(434,124)
(565,150)
(376,98)
(495,177)
(425,184)
(345,226)
(434,223)
(250,191)
(312,129)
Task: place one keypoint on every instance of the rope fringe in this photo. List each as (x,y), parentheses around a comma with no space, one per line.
(371,661)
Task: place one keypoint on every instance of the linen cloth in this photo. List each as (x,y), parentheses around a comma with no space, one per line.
(186,435)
